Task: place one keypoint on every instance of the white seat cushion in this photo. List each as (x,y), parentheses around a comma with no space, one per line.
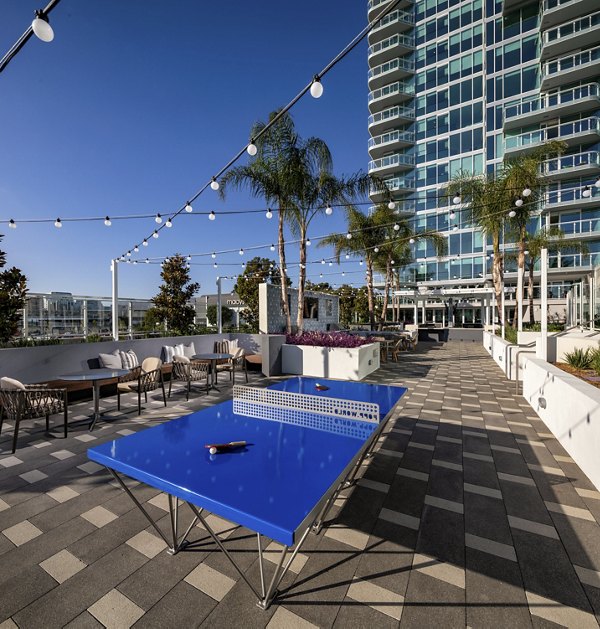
(189,350)
(111,361)
(10,384)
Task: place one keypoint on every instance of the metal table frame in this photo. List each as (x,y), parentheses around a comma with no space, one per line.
(213,366)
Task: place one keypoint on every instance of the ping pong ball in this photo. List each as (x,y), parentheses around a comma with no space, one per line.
(213,450)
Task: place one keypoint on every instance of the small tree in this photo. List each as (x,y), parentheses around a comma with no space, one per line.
(226,314)
(13,291)
(172,304)
(258,271)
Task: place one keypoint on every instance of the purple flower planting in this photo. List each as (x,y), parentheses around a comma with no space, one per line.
(327,339)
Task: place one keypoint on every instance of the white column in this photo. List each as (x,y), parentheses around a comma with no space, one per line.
(519,300)
(544,303)
(85,319)
(114,267)
(592,304)
(25,328)
(130,319)
(219,322)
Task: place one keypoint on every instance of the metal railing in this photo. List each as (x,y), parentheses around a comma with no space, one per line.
(562,64)
(392,113)
(392,42)
(393,17)
(391,137)
(568,162)
(399,87)
(399,63)
(398,159)
(553,133)
(574,27)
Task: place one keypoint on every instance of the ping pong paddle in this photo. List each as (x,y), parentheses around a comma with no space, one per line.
(224,447)
(321,387)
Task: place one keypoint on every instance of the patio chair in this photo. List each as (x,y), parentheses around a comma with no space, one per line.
(382,347)
(148,377)
(403,344)
(29,401)
(237,361)
(189,371)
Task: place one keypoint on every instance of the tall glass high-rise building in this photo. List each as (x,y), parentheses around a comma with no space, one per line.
(460,84)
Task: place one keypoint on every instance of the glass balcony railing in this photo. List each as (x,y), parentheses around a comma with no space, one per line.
(555,99)
(392,42)
(390,161)
(554,4)
(391,66)
(574,27)
(393,18)
(398,183)
(572,194)
(375,3)
(570,162)
(399,87)
(572,62)
(582,226)
(553,133)
(391,114)
(576,260)
(391,137)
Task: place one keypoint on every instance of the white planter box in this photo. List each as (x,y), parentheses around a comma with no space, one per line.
(570,408)
(330,362)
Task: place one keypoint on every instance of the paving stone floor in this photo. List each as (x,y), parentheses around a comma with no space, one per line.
(469,514)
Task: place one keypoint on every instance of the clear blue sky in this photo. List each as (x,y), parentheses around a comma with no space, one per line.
(134,105)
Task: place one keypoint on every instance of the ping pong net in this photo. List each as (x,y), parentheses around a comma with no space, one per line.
(351,418)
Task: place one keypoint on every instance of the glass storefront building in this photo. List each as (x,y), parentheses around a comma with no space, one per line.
(457,85)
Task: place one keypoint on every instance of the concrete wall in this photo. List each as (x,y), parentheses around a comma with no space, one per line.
(38,364)
(506,355)
(272,320)
(570,408)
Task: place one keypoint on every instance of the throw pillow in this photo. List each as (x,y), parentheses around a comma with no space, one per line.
(10,384)
(178,350)
(181,359)
(129,359)
(233,346)
(167,353)
(189,350)
(111,361)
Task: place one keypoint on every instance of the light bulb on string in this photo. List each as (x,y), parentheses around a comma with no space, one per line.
(526,192)
(189,258)
(452,215)
(129,254)
(308,242)
(316,89)
(361,263)
(412,241)
(347,256)
(188,208)
(251,149)
(456,200)
(144,243)
(107,221)
(587,192)
(212,216)
(597,184)
(376,249)
(155,234)
(329,209)
(455,228)
(269,214)
(349,236)
(519,202)
(241,252)
(213,255)
(158,219)
(323,261)
(214,184)
(147,261)
(396,227)
(58,223)
(41,27)
(512,214)
(12,224)
(331,264)
(272,247)
(169,223)
(392,205)
(136,249)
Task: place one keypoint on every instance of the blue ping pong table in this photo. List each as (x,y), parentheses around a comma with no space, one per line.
(304,444)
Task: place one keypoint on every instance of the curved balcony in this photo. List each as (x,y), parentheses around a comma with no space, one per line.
(394,70)
(584,131)
(571,199)
(389,95)
(377,7)
(581,66)
(395,22)
(558,11)
(399,138)
(393,116)
(391,47)
(571,35)
(391,164)
(397,185)
(563,103)
(585,164)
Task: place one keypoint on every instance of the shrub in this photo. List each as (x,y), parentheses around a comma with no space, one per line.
(579,358)
(595,360)
(327,339)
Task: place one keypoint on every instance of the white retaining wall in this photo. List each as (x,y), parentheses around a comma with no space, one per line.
(570,408)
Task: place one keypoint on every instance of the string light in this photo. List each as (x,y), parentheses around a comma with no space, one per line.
(347,256)
(412,241)
(189,258)
(214,184)
(41,27)
(147,261)
(308,243)
(392,205)
(452,215)
(212,216)
(12,224)
(154,234)
(213,255)
(136,249)
(349,236)
(168,223)
(329,209)
(396,227)
(512,214)
(129,254)
(251,148)
(241,252)
(526,192)
(58,223)
(145,243)
(456,199)
(323,261)
(272,247)
(269,214)
(107,221)
(158,219)
(519,202)
(188,208)
(316,89)
(215,265)
(587,192)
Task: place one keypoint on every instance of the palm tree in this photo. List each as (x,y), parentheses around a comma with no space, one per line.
(276,174)
(320,189)
(522,175)
(367,234)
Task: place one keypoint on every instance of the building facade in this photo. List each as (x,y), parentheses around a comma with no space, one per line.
(229,300)
(457,85)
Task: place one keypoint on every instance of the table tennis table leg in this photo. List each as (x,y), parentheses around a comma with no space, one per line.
(179,543)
